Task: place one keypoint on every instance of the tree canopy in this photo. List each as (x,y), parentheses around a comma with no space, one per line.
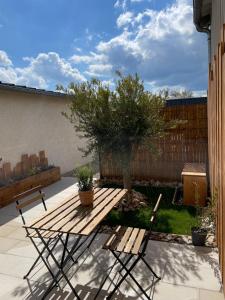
(116,121)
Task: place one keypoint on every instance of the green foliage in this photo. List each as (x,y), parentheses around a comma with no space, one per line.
(170,218)
(174,93)
(116,121)
(85,178)
(205,216)
(209,213)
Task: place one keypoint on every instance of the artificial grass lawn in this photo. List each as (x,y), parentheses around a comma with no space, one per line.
(171,218)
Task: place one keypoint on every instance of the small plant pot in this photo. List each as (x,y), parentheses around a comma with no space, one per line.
(86,198)
(198,236)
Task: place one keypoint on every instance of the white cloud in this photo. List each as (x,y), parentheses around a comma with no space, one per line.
(44,71)
(89,59)
(8,75)
(4,59)
(100,68)
(162,46)
(124,19)
(121,4)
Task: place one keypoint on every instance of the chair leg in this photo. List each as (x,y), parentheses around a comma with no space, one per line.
(126,263)
(128,272)
(31,268)
(104,280)
(41,256)
(149,267)
(60,270)
(34,264)
(55,244)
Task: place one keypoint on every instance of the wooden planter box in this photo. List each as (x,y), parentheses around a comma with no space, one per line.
(44,178)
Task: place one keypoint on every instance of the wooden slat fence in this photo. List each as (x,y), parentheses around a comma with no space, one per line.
(188,142)
(216,124)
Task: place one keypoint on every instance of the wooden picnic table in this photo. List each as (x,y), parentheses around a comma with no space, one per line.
(72,218)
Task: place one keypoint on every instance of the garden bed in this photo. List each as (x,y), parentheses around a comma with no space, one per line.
(171,218)
(44,178)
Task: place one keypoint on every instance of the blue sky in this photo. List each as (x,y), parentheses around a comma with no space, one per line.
(44,43)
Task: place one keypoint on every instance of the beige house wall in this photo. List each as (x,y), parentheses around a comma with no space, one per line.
(32,122)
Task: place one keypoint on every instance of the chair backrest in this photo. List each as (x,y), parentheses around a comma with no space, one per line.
(26,202)
(152,221)
(154,212)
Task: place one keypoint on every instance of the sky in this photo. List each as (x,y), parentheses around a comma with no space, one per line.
(45,43)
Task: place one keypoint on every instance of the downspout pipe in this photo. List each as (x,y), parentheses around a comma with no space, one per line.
(197,5)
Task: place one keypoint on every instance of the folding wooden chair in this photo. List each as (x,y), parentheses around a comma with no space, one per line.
(49,235)
(133,243)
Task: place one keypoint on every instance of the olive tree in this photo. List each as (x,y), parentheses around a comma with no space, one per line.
(118,121)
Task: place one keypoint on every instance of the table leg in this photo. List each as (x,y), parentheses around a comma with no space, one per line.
(60,268)
(41,257)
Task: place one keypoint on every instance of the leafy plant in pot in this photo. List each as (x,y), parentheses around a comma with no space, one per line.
(85,184)
(198,232)
(205,219)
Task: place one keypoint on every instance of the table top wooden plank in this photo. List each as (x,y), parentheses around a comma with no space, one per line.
(81,212)
(67,201)
(67,214)
(92,213)
(71,217)
(90,227)
(63,206)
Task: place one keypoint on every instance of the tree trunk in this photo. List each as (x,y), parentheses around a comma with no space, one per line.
(127,182)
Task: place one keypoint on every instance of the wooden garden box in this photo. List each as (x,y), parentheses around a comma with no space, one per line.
(43,178)
(194,184)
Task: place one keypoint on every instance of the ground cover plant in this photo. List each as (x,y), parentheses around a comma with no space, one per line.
(171,218)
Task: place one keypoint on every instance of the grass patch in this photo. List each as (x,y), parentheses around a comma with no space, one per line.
(170,218)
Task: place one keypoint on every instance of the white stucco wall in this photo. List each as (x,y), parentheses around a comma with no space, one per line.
(31,122)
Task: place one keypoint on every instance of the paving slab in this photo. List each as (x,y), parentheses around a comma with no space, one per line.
(210,295)
(7,244)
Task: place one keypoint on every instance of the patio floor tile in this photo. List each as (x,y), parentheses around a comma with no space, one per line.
(192,275)
(14,265)
(5,230)
(22,248)
(7,244)
(210,295)
(12,287)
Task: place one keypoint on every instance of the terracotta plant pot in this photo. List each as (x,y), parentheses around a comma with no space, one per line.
(86,198)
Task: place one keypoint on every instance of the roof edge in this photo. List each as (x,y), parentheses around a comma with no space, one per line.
(186,101)
(201,22)
(30,90)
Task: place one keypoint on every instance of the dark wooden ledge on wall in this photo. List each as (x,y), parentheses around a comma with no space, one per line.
(43,178)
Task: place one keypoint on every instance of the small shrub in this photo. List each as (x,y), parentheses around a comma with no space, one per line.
(85,178)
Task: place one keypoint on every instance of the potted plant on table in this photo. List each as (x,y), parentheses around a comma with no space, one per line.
(85,184)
